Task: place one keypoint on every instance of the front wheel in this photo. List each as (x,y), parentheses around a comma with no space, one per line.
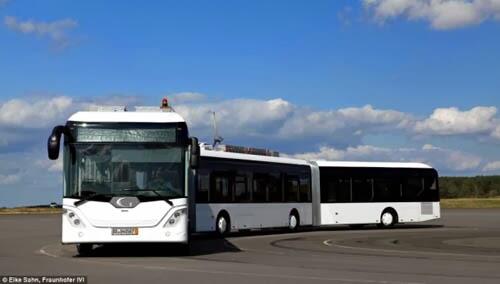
(84,249)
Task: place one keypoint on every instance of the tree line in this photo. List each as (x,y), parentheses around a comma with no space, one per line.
(478,186)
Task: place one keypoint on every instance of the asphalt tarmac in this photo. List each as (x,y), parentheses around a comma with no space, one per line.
(462,247)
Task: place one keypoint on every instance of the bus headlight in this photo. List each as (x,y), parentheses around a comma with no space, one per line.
(73,219)
(174,218)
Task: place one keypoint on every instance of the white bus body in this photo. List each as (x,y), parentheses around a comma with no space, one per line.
(247,210)
(405,204)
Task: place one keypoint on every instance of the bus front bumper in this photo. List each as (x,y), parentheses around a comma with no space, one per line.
(84,232)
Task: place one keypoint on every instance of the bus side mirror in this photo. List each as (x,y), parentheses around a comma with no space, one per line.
(54,142)
(194,161)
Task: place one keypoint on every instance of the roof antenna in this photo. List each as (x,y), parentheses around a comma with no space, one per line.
(217,139)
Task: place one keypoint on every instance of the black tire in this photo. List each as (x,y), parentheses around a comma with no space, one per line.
(388,218)
(223,230)
(84,249)
(293,218)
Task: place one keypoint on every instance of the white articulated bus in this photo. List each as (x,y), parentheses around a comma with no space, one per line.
(126,177)
(136,176)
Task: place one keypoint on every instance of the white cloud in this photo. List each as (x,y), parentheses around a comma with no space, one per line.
(344,16)
(452,121)
(492,166)
(9,179)
(36,113)
(274,119)
(351,121)
(442,159)
(441,14)
(368,114)
(56,31)
(496,131)
(187,97)
(238,117)
(50,165)
(281,120)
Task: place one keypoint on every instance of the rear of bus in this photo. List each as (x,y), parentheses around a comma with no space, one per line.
(382,193)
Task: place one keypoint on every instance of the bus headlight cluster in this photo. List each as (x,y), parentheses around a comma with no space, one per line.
(174,218)
(73,218)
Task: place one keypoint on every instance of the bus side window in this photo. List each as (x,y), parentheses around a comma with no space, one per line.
(260,184)
(241,191)
(336,189)
(275,190)
(413,188)
(387,189)
(362,189)
(430,188)
(327,190)
(342,189)
(291,188)
(221,191)
(202,187)
(305,188)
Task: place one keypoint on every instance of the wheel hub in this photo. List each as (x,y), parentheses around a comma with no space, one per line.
(222,224)
(387,219)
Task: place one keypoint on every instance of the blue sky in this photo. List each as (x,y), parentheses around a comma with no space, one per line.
(364,80)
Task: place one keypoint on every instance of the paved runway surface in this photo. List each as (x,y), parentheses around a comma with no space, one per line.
(462,247)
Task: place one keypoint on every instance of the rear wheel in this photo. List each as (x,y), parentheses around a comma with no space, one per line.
(293,221)
(84,249)
(222,224)
(387,219)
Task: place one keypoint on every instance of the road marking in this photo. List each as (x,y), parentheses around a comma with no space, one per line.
(330,243)
(43,251)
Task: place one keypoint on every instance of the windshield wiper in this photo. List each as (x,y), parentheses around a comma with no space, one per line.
(155,192)
(88,198)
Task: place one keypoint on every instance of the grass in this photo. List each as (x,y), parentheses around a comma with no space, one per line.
(466,203)
(27,210)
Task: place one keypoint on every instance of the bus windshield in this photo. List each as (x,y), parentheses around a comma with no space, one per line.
(129,169)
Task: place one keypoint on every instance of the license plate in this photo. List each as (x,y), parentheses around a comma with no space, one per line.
(125,231)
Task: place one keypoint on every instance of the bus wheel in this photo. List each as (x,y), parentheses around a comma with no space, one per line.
(388,218)
(293,220)
(84,249)
(223,224)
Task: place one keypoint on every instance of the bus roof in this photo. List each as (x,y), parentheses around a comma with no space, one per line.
(126,116)
(354,164)
(249,157)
